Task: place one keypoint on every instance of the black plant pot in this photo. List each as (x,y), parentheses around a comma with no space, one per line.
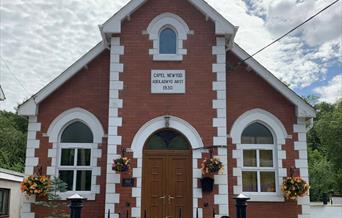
(207,184)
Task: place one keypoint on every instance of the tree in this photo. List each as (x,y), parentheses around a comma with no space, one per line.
(13,131)
(325,149)
(321,175)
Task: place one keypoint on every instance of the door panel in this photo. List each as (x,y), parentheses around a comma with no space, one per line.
(179,187)
(167,174)
(154,186)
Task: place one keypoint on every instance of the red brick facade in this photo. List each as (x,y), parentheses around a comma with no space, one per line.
(89,89)
(245,91)
(140,105)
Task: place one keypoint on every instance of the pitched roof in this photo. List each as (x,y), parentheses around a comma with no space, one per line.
(113,26)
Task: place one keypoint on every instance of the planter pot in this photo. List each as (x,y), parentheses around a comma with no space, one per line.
(207,184)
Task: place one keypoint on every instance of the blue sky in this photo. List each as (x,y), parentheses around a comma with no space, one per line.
(39,39)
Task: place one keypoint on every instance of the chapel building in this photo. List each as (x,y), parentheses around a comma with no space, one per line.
(166,87)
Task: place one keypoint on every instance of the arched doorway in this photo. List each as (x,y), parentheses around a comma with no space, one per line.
(167,175)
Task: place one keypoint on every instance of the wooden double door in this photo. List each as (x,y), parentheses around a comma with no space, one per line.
(167,184)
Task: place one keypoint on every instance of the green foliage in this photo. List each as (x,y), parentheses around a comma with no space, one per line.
(57,185)
(321,175)
(325,149)
(13,131)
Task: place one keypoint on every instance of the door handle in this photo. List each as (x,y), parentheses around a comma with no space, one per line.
(163,198)
(170,198)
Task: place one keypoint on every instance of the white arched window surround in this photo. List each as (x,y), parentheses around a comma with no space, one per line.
(54,132)
(279,135)
(177,24)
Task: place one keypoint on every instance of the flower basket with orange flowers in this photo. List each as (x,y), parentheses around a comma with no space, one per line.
(122,164)
(35,185)
(211,166)
(294,187)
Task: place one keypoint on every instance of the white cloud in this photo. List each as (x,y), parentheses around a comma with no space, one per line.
(332,91)
(291,59)
(39,39)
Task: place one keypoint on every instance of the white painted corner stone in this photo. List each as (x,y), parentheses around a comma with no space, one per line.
(114,121)
(302,164)
(220,122)
(30,162)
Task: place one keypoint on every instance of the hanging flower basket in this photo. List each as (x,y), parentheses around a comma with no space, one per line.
(211,166)
(122,164)
(294,187)
(35,185)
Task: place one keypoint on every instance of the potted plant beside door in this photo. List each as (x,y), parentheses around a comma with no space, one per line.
(210,166)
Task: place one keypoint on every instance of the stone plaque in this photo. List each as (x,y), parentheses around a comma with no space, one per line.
(168,81)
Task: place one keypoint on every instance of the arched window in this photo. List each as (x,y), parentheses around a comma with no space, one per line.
(167,139)
(256,133)
(167,41)
(258,171)
(77,132)
(75,167)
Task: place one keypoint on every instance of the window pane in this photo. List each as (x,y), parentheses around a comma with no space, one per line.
(267,180)
(167,41)
(167,139)
(83,180)
(68,177)
(266,158)
(178,143)
(67,157)
(156,142)
(249,182)
(77,132)
(4,201)
(249,158)
(256,133)
(83,157)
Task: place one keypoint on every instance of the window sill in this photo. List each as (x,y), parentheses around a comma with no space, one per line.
(265,198)
(167,57)
(86,194)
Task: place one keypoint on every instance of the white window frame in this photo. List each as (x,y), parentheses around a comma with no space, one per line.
(54,132)
(258,169)
(74,167)
(177,24)
(279,136)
